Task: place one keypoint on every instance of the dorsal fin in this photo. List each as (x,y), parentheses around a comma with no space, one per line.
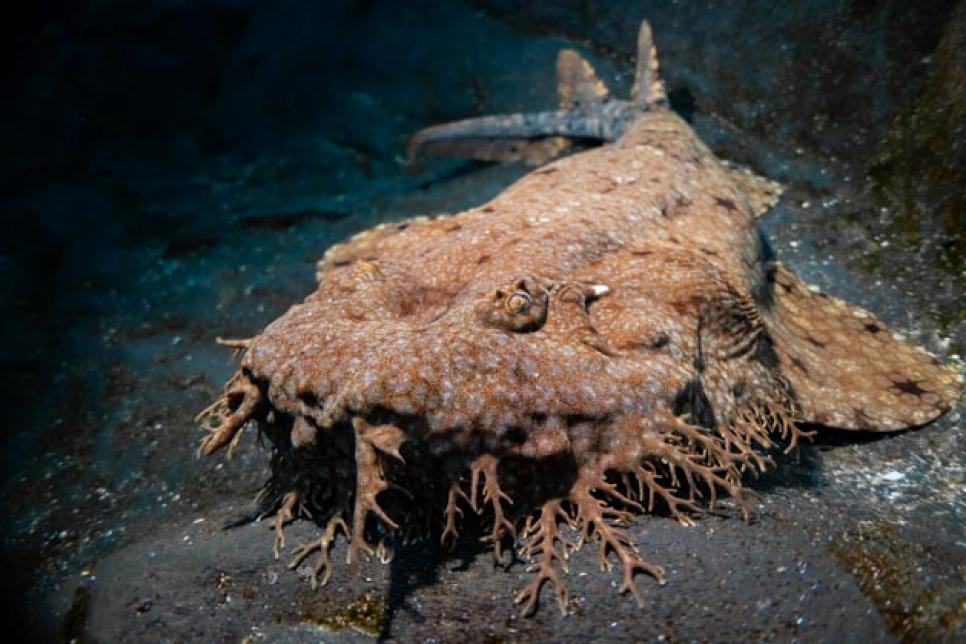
(577,83)
(648,88)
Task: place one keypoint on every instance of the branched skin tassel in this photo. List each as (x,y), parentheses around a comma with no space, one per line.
(601,340)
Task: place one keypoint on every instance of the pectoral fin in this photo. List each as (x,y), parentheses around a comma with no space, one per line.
(847,369)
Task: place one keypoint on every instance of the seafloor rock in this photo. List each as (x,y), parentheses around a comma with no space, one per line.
(760,581)
(919,173)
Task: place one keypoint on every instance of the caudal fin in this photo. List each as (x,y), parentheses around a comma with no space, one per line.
(586,111)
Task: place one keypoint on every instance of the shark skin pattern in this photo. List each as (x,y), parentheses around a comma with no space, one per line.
(602,339)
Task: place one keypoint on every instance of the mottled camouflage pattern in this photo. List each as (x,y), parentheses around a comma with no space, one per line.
(603,338)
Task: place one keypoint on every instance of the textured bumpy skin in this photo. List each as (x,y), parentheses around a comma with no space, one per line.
(603,338)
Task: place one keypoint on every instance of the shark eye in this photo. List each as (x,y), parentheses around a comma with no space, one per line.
(518,302)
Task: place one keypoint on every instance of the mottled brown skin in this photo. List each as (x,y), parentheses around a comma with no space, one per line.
(603,338)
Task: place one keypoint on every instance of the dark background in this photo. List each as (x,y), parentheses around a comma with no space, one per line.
(172,169)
